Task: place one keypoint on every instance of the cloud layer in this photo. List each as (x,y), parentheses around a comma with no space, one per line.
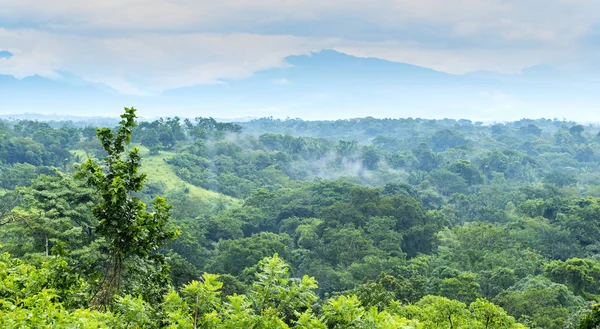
(141,47)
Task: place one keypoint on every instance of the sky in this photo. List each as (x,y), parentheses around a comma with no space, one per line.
(143,47)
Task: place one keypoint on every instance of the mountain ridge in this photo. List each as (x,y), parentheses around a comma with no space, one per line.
(315,85)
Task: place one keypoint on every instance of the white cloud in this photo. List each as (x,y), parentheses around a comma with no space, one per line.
(151,62)
(532,17)
(146,46)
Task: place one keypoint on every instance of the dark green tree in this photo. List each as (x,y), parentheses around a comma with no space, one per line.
(591,319)
(576,130)
(582,275)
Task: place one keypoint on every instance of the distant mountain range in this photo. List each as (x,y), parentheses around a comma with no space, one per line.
(323,85)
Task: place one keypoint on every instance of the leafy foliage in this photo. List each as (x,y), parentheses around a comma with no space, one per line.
(128,228)
(403,223)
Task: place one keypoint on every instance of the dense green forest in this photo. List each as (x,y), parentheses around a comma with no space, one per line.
(364,223)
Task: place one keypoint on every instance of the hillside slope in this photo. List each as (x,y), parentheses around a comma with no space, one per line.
(159,171)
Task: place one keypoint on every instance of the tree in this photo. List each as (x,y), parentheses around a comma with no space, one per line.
(55,210)
(463,287)
(7,205)
(150,140)
(441,312)
(123,220)
(560,179)
(446,138)
(580,274)
(370,158)
(576,130)
(539,303)
(427,160)
(491,316)
(88,132)
(236,255)
(468,171)
(531,129)
(591,319)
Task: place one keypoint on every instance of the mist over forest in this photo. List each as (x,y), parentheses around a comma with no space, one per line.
(235,164)
(270,223)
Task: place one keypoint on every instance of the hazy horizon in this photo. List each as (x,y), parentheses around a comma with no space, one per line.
(489,60)
(83,118)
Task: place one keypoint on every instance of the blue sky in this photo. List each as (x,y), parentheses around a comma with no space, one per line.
(5,54)
(145,46)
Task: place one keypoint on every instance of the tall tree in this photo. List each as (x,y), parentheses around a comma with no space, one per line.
(123,220)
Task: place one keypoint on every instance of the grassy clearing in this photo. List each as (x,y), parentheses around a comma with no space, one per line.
(159,171)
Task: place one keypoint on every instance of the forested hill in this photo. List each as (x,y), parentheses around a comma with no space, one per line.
(365,223)
(368,128)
